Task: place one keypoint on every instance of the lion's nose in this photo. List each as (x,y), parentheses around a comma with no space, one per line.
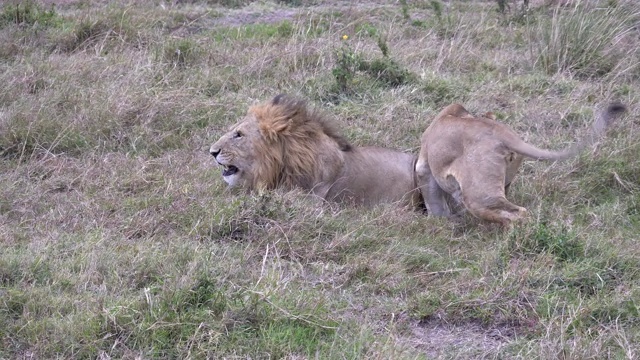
(214,152)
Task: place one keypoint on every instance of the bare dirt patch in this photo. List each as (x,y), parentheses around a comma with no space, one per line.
(256,14)
(437,338)
(250,15)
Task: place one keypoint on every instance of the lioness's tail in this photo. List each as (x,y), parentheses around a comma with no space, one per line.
(599,127)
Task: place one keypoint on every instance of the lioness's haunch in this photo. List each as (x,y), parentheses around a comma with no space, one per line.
(470,161)
(285,144)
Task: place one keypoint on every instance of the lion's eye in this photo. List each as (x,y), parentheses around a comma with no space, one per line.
(238,134)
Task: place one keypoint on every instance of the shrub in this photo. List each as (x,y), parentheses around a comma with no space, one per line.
(387,71)
(384,70)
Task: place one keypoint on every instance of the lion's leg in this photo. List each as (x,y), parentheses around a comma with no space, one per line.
(513,164)
(432,193)
(437,199)
(495,209)
(483,192)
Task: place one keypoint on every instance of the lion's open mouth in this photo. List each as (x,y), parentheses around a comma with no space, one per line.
(229,170)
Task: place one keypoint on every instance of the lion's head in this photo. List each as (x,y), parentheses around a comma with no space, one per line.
(280,143)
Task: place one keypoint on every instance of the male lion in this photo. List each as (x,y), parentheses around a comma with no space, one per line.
(284,144)
(472,160)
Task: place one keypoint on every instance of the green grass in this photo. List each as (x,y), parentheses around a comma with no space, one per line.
(119,239)
(28,13)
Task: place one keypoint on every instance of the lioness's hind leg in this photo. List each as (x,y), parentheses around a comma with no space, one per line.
(497,209)
(483,189)
(489,203)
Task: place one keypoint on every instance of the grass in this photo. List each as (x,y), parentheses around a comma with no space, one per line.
(584,41)
(120,241)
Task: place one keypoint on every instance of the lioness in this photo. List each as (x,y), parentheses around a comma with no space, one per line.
(284,144)
(472,160)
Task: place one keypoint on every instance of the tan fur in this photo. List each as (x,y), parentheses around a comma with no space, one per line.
(471,161)
(285,144)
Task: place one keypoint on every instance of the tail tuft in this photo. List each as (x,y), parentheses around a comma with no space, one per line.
(613,111)
(616,108)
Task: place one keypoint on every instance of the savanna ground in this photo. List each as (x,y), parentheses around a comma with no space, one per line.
(119,241)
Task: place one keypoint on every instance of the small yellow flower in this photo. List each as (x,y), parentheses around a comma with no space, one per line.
(345,37)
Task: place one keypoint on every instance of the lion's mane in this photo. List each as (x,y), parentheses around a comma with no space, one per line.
(294,138)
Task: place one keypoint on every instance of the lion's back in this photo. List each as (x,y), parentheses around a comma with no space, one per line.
(374,175)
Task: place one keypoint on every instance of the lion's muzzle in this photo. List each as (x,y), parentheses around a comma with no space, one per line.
(229,170)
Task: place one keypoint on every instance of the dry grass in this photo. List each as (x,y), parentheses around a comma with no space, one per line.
(119,241)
